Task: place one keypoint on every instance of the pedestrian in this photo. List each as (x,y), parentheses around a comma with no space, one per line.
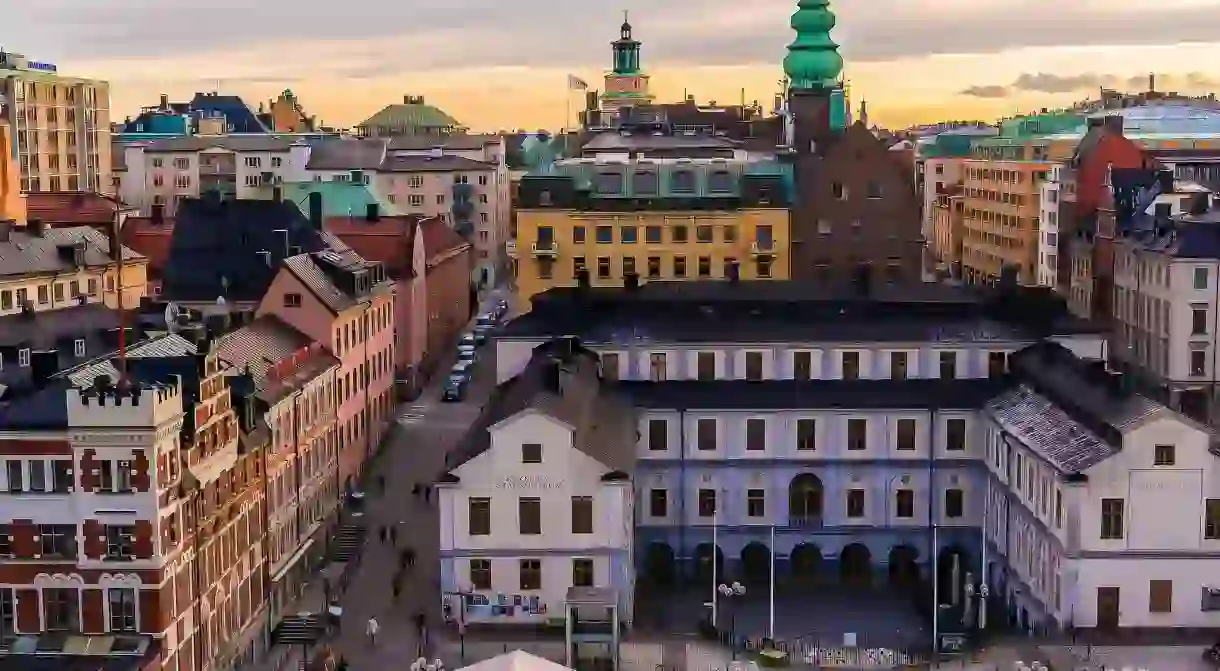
(410,557)
(420,622)
(397,588)
(371,630)
(394,536)
(382,531)
(381,483)
(415,490)
(427,492)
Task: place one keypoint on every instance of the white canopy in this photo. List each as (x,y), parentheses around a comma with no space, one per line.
(517,660)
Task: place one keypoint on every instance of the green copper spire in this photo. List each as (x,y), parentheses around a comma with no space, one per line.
(813,59)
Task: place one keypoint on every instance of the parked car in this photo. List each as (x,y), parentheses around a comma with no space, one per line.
(462,367)
(501,308)
(485,320)
(455,389)
(481,335)
(466,339)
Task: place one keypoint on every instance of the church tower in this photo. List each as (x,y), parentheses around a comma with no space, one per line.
(813,67)
(626,84)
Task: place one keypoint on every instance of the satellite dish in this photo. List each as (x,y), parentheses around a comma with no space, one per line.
(220,301)
(171,316)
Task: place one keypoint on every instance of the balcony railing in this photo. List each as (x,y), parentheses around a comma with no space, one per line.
(510,248)
(762,247)
(544,250)
(805,521)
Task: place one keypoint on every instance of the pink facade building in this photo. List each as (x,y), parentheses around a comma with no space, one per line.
(346,303)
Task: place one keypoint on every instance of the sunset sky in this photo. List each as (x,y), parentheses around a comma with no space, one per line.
(497,64)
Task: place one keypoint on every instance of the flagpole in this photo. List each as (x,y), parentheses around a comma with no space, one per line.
(771,619)
(715,578)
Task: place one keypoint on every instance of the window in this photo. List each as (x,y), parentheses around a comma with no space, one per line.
(904,503)
(531,574)
(898,365)
(182,181)
(1198,362)
(756,434)
(8,614)
(582,514)
(1163,455)
(61,475)
(603,267)
(656,366)
(254,162)
(756,503)
(531,453)
(851,365)
(480,516)
(1211,519)
(122,609)
(415,181)
(105,469)
(997,364)
(292,300)
(629,235)
(905,434)
(44,294)
(840,191)
(578,234)
(582,572)
(605,234)
(705,430)
(705,266)
(754,366)
(762,267)
(609,366)
(707,502)
(78,348)
(277,162)
(1198,319)
(628,266)
(678,233)
(415,201)
(802,365)
(120,541)
(654,267)
(1200,278)
(60,609)
(806,435)
(730,233)
(954,503)
(955,435)
(706,365)
(1160,596)
(857,434)
(578,265)
(59,540)
(874,191)
(15,472)
(480,574)
(704,234)
(652,235)
(529,516)
(38,476)
(679,266)
(1111,519)
(658,502)
(855,503)
(58,292)
(23,297)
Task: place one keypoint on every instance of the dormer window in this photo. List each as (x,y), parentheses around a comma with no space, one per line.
(23,357)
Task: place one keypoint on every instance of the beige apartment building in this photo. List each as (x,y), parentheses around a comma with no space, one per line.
(61,126)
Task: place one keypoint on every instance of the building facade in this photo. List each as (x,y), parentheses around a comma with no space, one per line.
(12,202)
(61,126)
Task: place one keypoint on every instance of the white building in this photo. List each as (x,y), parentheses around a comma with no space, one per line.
(540,500)
(1054,188)
(756,409)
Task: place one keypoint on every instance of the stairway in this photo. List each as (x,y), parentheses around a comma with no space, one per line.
(299,629)
(348,542)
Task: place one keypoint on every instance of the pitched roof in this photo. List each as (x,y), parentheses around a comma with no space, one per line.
(319,272)
(456,142)
(236,112)
(25,253)
(238,143)
(44,409)
(409,116)
(604,425)
(150,239)
(388,240)
(960,394)
(339,199)
(258,346)
(71,207)
(347,154)
(438,238)
(442,163)
(94,325)
(157,347)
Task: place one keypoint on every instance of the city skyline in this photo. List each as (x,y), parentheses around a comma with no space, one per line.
(914,61)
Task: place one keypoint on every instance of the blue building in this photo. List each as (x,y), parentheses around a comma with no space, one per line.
(174,119)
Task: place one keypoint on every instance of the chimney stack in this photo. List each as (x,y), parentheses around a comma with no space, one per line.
(164,102)
(277,194)
(36,227)
(158,214)
(315,209)
(372,212)
(1113,123)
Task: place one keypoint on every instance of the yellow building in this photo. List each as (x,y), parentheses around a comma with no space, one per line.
(1001,204)
(683,219)
(12,202)
(56,268)
(61,126)
(946,218)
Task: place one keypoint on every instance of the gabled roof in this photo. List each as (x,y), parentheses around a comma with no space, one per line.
(604,425)
(81,208)
(318,272)
(348,154)
(265,342)
(516,660)
(158,347)
(25,253)
(236,112)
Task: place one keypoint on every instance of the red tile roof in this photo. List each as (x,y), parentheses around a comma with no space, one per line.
(439,238)
(69,208)
(151,240)
(389,240)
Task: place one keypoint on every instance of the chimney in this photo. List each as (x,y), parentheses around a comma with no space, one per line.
(1095,122)
(43,365)
(372,212)
(164,102)
(631,281)
(1165,180)
(553,380)
(1114,123)
(36,227)
(158,214)
(6,230)
(277,194)
(1151,81)
(315,209)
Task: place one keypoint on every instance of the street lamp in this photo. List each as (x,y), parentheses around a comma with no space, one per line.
(422,664)
(736,589)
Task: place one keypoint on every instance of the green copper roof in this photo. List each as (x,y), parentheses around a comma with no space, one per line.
(339,199)
(813,58)
(412,115)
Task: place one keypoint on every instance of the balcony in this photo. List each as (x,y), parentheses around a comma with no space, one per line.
(510,248)
(762,248)
(462,192)
(544,250)
(798,521)
(462,209)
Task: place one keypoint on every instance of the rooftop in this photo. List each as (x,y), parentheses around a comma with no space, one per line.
(259,346)
(412,113)
(44,250)
(612,142)
(262,142)
(80,208)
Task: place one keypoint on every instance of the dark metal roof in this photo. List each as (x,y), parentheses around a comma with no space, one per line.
(460,142)
(442,163)
(157,347)
(265,342)
(239,143)
(44,409)
(348,154)
(56,330)
(25,253)
(913,394)
(603,423)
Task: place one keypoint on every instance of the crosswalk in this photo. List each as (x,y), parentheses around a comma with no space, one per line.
(437,414)
(413,414)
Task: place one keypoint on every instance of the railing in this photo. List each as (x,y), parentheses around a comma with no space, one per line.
(805,521)
(548,249)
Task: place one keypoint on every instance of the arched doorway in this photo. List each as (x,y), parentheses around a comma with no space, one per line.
(703,561)
(806,561)
(856,565)
(659,564)
(904,566)
(952,565)
(805,495)
(755,564)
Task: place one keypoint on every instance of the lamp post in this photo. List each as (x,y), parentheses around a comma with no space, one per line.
(729,592)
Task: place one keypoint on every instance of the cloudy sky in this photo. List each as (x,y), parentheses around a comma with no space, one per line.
(501,64)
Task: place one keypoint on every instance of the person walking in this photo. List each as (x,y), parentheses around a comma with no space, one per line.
(397,588)
(410,557)
(394,536)
(382,532)
(371,630)
(381,483)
